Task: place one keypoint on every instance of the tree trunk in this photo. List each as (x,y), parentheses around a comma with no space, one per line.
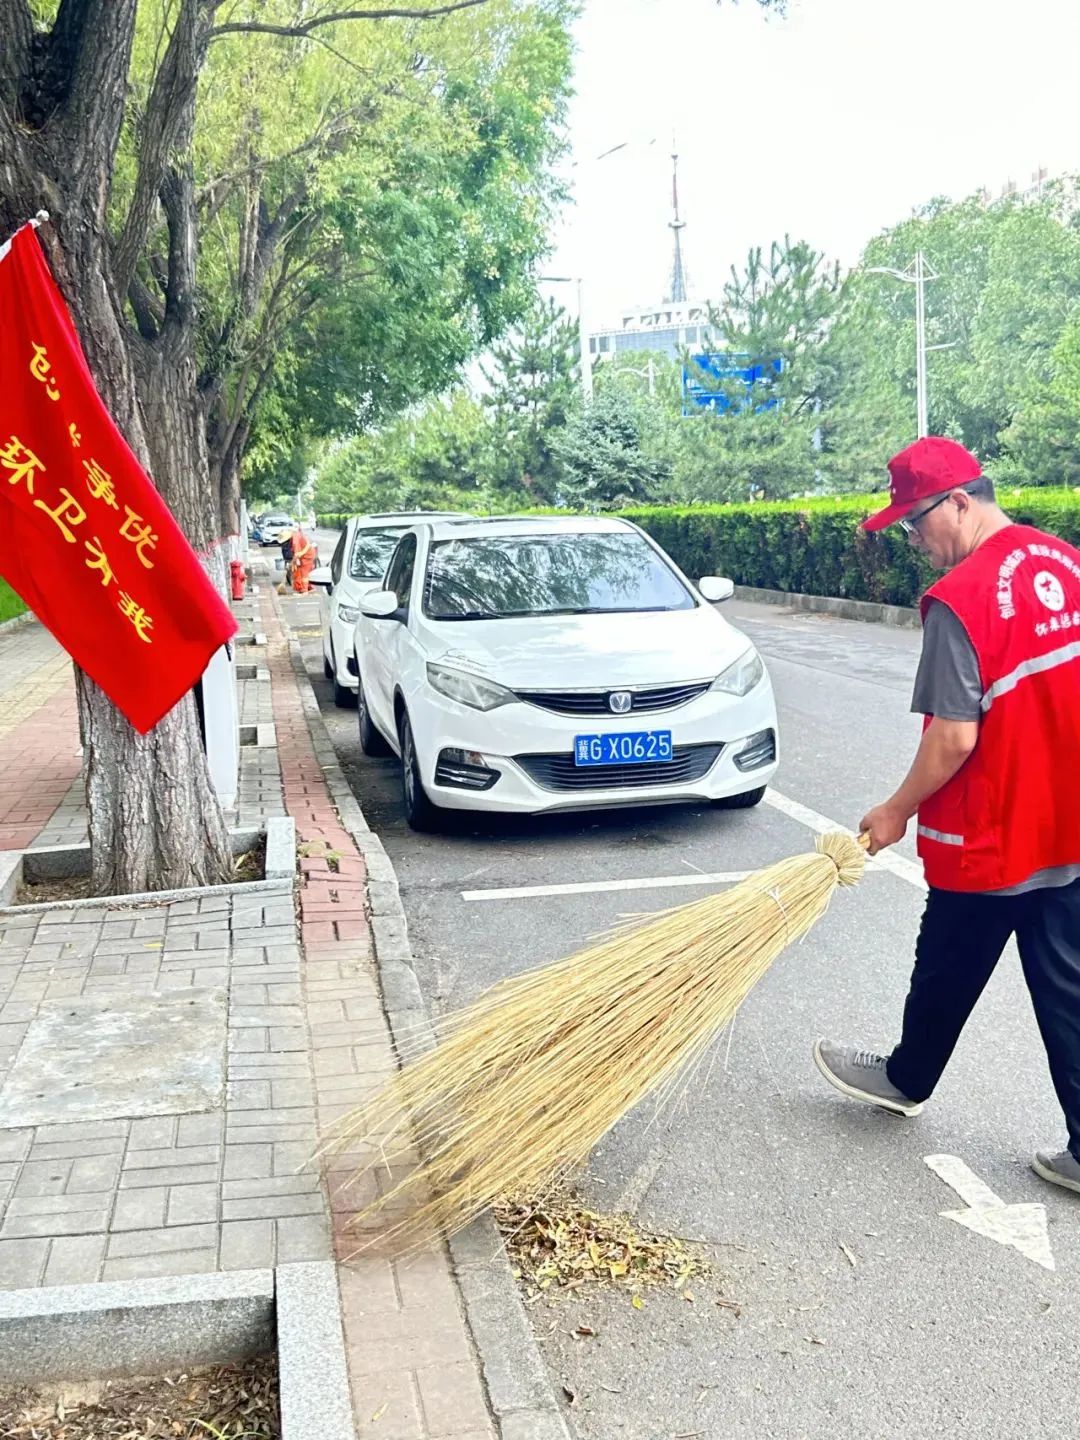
(154,819)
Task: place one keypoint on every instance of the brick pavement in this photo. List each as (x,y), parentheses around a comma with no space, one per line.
(39,733)
(411,1357)
(305,1039)
(125,1197)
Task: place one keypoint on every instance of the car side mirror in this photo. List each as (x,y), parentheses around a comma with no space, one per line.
(379,605)
(322,578)
(716,588)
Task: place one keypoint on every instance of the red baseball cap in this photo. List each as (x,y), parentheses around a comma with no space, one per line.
(932,466)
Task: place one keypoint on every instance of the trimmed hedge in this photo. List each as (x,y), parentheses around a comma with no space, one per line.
(815,547)
(10,603)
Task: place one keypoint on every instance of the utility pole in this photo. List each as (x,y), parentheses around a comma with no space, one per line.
(920,343)
(583,345)
(917,274)
(583,333)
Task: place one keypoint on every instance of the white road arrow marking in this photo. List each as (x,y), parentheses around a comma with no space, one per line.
(1022,1227)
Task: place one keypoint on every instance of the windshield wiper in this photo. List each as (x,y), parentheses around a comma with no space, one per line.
(478,615)
(598,610)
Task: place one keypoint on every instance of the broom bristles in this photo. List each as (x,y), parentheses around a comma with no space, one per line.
(526,1080)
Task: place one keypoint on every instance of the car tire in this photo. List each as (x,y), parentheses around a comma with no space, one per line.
(420,813)
(327,668)
(746,801)
(371,738)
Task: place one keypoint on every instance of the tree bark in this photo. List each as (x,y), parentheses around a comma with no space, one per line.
(154,819)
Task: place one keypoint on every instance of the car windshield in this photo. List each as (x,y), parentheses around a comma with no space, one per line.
(496,577)
(277,520)
(371,551)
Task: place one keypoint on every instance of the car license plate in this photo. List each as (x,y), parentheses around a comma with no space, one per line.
(636,747)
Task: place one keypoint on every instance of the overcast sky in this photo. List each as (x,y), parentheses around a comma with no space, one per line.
(830,125)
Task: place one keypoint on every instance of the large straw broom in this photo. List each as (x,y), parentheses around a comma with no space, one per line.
(529,1077)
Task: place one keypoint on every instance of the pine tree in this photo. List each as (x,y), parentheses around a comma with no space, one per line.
(533,391)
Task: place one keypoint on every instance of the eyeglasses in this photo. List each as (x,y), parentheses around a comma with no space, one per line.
(910,524)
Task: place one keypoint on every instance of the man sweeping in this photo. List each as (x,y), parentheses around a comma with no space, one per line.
(995,786)
(302,561)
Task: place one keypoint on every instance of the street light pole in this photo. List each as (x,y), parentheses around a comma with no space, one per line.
(648,374)
(917,274)
(583,343)
(920,343)
(583,334)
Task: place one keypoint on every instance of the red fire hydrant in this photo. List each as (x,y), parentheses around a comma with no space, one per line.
(236,575)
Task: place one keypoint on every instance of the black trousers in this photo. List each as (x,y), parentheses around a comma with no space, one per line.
(960,941)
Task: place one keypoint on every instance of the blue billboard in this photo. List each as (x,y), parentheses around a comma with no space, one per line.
(726,382)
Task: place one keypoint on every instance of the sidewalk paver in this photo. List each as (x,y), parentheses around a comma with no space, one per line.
(135,1194)
(40,756)
(411,1357)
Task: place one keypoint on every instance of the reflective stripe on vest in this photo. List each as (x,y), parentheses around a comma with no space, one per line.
(941,836)
(1050,661)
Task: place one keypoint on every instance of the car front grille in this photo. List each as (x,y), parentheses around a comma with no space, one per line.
(558,772)
(596,702)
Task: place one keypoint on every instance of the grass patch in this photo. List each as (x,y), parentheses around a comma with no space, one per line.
(10,603)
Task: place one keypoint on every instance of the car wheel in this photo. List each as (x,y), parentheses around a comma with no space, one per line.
(746,801)
(420,813)
(327,668)
(371,738)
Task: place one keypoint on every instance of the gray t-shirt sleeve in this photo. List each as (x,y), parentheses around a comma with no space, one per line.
(948,683)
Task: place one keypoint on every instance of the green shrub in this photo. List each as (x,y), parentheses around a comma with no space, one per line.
(815,547)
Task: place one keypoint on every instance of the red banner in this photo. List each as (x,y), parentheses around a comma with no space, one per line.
(85,538)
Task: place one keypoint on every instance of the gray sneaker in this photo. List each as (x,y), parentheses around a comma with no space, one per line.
(860,1074)
(1061,1169)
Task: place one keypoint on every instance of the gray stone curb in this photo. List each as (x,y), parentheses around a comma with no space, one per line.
(134,1327)
(518,1385)
(150,897)
(17,622)
(56,861)
(864,610)
(280,848)
(316,1403)
(149,1327)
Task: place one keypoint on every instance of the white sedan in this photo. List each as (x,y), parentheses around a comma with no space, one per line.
(358,563)
(528,665)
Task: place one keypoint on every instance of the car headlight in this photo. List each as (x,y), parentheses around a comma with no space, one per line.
(348,614)
(468,689)
(740,678)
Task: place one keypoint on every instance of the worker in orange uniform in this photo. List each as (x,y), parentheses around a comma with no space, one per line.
(303,561)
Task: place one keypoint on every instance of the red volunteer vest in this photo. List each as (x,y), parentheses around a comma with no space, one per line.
(1014,807)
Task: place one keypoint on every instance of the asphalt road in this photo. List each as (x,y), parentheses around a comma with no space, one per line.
(862,1311)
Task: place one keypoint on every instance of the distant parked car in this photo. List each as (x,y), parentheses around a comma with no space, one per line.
(275,529)
(531,664)
(358,563)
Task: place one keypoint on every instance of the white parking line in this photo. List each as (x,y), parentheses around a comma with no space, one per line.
(589,887)
(820,824)
(897,865)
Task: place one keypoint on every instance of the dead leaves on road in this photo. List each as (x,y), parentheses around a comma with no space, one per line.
(562,1246)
